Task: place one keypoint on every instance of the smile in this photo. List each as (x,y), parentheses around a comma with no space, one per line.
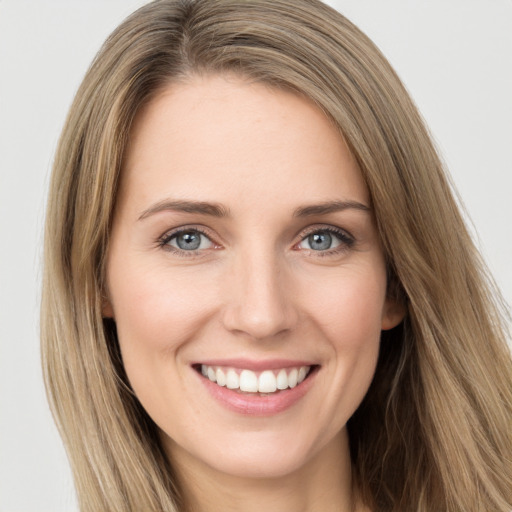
(257,388)
(248,381)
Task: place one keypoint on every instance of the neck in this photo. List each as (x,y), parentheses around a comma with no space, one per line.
(323,484)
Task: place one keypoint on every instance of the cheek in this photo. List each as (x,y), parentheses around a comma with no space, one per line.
(150,301)
(349,306)
(349,315)
(156,314)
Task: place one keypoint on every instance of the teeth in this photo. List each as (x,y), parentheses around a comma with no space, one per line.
(292,378)
(211,374)
(232,379)
(248,381)
(282,380)
(221,378)
(267,382)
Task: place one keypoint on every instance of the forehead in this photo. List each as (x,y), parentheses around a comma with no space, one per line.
(216,138)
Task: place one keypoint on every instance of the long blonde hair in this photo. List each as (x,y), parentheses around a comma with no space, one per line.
(434,431)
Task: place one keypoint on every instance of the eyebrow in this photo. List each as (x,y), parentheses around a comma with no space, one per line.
(329,207)
(218,210)
(199,207)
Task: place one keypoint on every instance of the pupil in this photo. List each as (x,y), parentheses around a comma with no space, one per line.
(189,241)
(320,241)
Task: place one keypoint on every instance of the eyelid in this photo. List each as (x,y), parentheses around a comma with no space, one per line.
(325,227)
(347,240)
(163,240)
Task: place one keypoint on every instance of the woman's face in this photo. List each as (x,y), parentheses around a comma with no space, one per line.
(244,251)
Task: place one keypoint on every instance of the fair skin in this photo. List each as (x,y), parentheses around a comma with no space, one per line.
(243,242)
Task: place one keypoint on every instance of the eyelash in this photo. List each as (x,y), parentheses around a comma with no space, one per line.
(163,241)
(347,241)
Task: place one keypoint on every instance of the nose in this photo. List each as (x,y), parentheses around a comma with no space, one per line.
(260,302)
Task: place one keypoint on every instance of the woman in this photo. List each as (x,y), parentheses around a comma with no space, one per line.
(258,288)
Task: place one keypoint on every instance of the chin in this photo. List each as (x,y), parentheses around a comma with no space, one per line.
(259,454)
(261,465)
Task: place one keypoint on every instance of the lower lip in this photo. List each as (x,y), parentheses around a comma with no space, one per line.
(258,405)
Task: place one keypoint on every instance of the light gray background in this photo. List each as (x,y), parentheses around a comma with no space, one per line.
(455,56)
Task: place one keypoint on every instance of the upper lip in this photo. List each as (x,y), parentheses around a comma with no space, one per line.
(256,365)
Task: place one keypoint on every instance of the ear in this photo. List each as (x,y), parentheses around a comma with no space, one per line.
(107,311)
(392,313)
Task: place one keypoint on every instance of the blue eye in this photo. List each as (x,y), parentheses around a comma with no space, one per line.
(323,240)
(189,240)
